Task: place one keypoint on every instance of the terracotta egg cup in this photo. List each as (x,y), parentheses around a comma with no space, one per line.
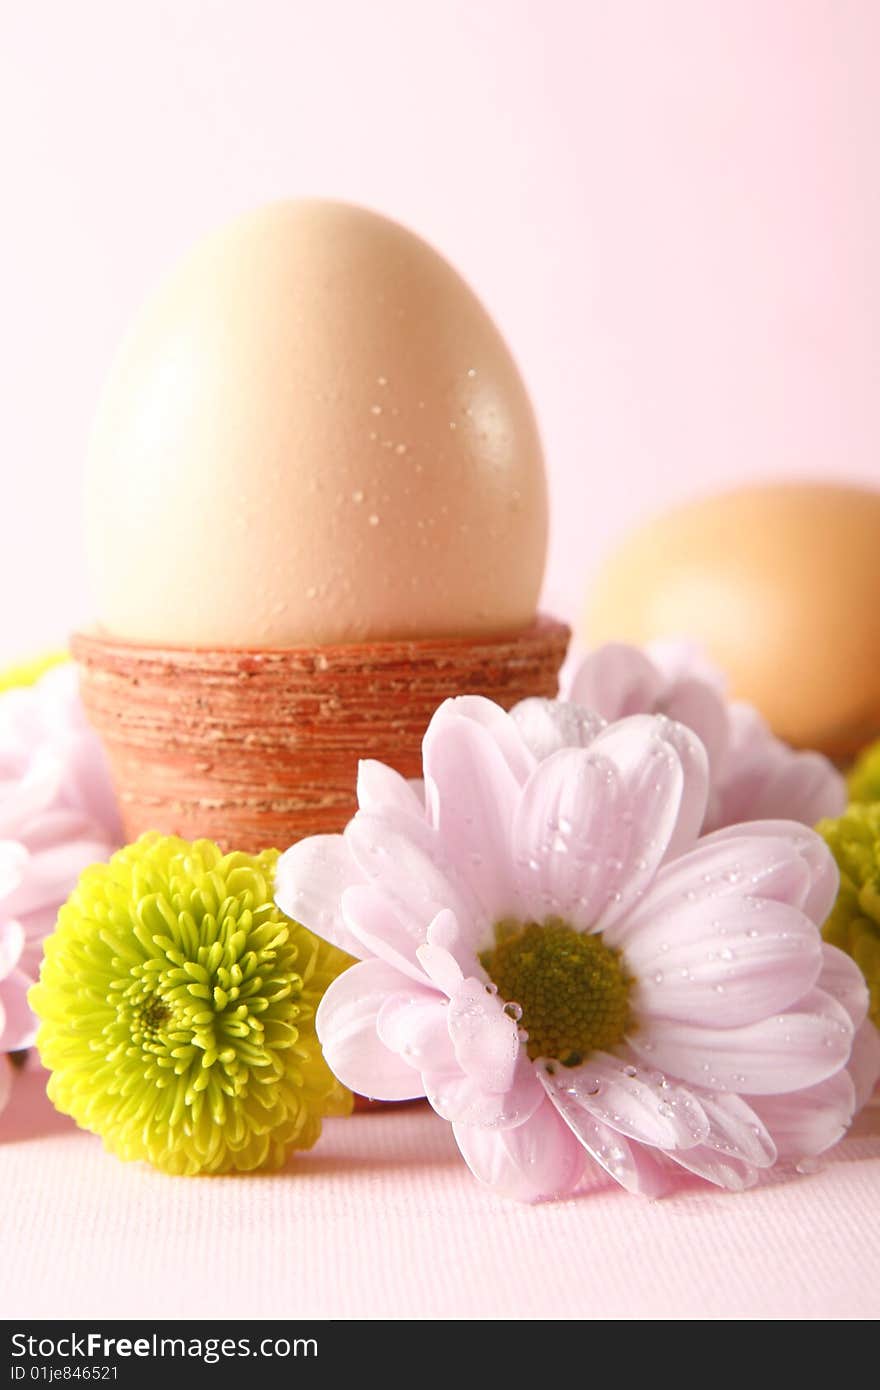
(258,747)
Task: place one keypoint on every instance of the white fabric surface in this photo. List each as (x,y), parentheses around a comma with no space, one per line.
(383,1220)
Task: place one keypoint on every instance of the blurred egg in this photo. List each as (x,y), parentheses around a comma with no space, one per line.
(782,586)
(314,433)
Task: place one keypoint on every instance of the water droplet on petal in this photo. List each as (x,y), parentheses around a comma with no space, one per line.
(808,1164)
(513,1011)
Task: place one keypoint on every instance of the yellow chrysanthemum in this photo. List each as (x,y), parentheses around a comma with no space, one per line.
(863,779)
(854,924)
(177,1007)
(29,672)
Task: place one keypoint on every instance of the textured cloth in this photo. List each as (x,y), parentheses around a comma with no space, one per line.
(383,1220)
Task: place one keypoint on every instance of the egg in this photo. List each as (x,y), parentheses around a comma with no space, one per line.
(314,433)
(781,584)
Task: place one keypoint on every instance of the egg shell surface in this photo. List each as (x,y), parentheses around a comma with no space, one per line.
(781,585)
(314,433)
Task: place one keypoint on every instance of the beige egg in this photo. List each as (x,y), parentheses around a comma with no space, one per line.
(314,433)
(782,586)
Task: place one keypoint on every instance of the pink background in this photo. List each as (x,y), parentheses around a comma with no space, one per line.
(672,209)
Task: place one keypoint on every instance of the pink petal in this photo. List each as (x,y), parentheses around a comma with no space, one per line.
(444,931)
(380,787)
(736,1130)
(441,967)
(12,941)
(465,1101)
(31,793)
(371,920)
(722,963)
(630,1099)
(538,1159)
(804,787)
(310,880)
(416,1029)
(783,1053)
(471,795)
(571,840)
(617,680)
(346,1024)
(13,863)
(681,657)
(485,1038)
(548,725)
(864,1063)
(808,1122)
(762,778)
(724,1170)
(6,1076)
(87,784)
(701,709)
(37,926)
(18,1026)
(843,980)
(51,874)
(496,722)
(373,923)
(665,771)
(629,1163)
(723,865)
(656,801)
(54,825)
(824,878)
(404,858)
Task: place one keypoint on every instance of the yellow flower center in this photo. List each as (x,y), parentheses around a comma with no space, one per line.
(568,989)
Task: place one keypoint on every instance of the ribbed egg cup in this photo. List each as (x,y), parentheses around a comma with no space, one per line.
(256,748)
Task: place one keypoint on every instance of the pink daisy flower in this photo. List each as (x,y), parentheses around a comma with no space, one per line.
(58,814)
(753,775)
(551,955)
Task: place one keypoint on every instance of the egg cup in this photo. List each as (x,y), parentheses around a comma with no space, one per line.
(256,748)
